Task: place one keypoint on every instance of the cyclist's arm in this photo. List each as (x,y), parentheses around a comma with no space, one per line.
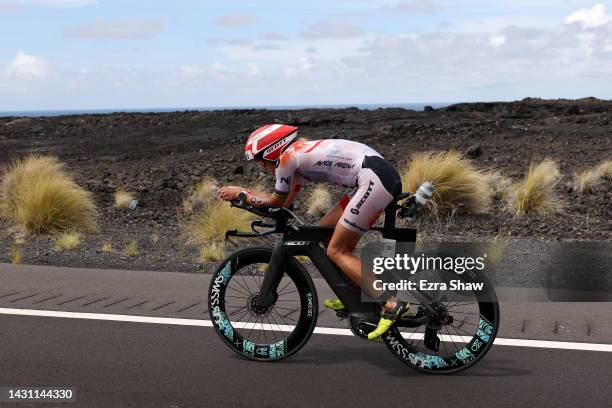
(296,186)
(256,199)
(288,184)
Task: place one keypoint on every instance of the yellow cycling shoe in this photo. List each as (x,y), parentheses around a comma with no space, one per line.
(388,318)
(335,305)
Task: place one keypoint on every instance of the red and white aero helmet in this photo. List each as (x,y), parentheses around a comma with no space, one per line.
(268,142)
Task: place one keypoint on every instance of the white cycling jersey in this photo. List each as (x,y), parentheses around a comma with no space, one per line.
(330,160)
(347,164)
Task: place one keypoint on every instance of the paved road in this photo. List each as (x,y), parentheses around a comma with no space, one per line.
(117,364)
(126,364)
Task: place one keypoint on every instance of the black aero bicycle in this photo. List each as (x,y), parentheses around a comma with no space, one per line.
(264,303)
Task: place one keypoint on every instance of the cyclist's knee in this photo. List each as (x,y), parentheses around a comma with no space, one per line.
(335,253)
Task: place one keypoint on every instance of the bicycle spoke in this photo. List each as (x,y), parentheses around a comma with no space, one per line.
(241,316)
(451,339)
(459,303)
(243,287)
(281,317)
(466,313)
(284,308)
(284,287)
(252,328)
(457,328)
(242,293)
(247,285)
(278,325)
(286,293)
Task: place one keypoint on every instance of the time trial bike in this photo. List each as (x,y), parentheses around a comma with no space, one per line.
(264,305)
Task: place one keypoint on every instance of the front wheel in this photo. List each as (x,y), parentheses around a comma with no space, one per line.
(268,334)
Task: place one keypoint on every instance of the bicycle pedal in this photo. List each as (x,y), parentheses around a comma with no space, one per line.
(431,339)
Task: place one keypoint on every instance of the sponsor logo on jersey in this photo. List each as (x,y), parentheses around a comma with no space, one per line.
(363,199)
(343,165)
(330,163)
(326,163)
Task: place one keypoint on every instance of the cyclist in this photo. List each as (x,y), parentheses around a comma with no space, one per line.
(278,150)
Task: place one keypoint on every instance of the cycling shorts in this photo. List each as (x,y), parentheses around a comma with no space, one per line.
(377,185)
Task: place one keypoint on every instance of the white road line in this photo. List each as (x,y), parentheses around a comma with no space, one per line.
(563,345)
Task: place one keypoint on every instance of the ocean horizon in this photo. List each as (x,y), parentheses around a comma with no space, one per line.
(66,112)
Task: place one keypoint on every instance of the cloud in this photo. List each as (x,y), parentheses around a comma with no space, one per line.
(27,66)
(509,59)
(252,69)
(236,20)
(235,42)
(332,30)
(273,36)
(413,7)
(266,46)
(116,29)
(497,40)
(527,60)
(191,71)
(594,17)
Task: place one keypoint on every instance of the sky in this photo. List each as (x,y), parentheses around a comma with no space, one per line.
(104,54)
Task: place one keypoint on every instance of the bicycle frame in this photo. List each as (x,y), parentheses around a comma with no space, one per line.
(306,241)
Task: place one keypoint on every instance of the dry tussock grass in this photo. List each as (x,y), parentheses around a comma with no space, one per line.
(67,241)
(131,248)
(499,185)
(537,192)
(202,194)
(123,198)
(209,224)
(319,201)
(212,252)
(38,195)
(459,186)
(106,247)
(16,254)
(589,180)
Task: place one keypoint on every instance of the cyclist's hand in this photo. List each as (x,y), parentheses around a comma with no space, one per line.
(229,193)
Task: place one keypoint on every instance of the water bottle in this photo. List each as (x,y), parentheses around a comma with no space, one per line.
(413,206)
(424,193)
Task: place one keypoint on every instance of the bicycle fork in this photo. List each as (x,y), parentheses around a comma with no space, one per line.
(272,277)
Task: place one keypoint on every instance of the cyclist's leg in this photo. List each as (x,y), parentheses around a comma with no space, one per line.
(340,250)
(331,220)
(360,214)
(333,215)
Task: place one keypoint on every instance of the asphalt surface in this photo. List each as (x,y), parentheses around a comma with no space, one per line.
(127,364)
(116,364)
